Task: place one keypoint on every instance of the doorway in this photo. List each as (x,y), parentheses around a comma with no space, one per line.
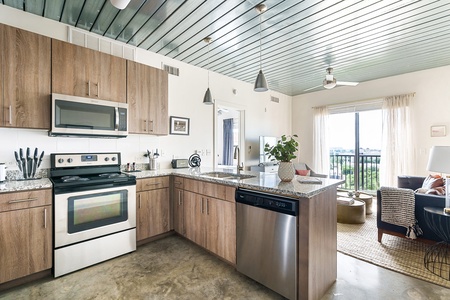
(229,121)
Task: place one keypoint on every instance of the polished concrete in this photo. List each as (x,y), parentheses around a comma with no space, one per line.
(174,268)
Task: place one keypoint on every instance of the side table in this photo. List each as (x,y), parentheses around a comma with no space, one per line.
(437,257)
(366,199)
(352,214)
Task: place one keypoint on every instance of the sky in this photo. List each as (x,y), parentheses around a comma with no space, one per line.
(342,130)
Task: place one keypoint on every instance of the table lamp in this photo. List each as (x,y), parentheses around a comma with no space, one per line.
(439,161)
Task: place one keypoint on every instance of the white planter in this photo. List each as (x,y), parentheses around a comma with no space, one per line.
(286,171)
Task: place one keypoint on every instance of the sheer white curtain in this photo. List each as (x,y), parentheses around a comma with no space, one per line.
(321,151)
(397,148)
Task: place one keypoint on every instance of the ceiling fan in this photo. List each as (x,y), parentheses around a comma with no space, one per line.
(330,82)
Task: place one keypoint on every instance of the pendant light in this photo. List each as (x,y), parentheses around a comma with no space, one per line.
(261,82)
(120,4)
(208,99)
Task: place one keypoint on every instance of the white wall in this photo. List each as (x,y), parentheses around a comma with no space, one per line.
(185,100)
(430,106)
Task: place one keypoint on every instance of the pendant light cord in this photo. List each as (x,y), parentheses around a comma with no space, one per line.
(260,64)
(208,63)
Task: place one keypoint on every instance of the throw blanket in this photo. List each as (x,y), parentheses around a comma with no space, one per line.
(398,208)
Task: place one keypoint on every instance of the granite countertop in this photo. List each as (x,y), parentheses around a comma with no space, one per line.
(264,182)
(24,185)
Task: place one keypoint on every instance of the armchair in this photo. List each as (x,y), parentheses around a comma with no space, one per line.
(421,201)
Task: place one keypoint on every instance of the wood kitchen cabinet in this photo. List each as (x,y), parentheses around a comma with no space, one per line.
(210,221)
(25,233)
(153,207)
(178,205)
(147,96)
(79,71)
(25,72)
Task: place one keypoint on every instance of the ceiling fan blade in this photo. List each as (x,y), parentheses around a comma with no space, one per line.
(313,88)
(350,83)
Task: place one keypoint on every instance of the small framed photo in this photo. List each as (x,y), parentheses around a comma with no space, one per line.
(438,130)
(179,125)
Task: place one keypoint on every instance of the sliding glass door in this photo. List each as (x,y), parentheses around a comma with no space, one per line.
(355,147)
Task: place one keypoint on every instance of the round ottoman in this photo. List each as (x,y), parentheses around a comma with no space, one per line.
(352,214)
(368,200)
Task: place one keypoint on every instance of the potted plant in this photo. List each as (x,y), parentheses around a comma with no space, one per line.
(284,152)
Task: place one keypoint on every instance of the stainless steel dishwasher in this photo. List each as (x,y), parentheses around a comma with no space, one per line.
(266,240)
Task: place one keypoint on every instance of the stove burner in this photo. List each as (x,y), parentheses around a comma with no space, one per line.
(73,178)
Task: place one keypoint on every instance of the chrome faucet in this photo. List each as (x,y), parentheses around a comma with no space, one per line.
(237,156)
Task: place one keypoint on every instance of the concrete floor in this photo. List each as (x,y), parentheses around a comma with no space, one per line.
(174,268)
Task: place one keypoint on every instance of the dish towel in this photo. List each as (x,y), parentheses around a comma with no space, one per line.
(398,208)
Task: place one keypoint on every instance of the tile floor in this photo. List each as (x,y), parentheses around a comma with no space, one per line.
(174,268)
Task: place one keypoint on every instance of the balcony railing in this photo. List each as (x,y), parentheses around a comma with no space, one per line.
(342,166)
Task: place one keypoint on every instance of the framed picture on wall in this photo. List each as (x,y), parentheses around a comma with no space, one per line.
(438,130)
(179,125)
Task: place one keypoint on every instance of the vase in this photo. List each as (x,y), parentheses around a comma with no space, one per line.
(286,171)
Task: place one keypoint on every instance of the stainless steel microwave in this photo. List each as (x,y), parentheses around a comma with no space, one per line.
(78,116)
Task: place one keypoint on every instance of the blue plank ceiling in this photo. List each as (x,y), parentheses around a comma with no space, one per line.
(361,40)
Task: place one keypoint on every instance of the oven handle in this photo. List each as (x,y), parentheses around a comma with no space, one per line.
(22,200)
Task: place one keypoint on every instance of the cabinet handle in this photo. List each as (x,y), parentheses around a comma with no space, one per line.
(89,88)
(151,127)
(10,115)
(207,206)
(201,206)
(179,198)
(98,90)
(139,200)
(45,218)
(145,125)
(22,200)
(151,184)
(177,182)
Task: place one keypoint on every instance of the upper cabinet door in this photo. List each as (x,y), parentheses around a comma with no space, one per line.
(26,64)
(147,89)
(137,97)
(159,113)
(83,72)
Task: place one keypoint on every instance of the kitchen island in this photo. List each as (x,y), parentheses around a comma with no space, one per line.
(317,228)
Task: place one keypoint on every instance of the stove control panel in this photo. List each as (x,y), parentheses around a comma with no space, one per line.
(64,160)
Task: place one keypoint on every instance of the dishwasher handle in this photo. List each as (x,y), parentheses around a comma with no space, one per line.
(267,201)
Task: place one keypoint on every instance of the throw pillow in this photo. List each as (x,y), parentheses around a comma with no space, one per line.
(302,172)
(421,191)
(433,181)
(440,190)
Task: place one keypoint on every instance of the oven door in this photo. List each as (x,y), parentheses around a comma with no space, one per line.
(85,215)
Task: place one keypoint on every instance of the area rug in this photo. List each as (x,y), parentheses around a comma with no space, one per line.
(394,253)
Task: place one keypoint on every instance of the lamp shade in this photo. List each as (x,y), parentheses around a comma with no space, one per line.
(208,99)
(120,4)
(261,83)
(439,160)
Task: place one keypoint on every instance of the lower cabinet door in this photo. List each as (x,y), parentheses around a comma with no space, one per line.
(152,213)
(193,218)
(221,228)
(178,208)
(25,242)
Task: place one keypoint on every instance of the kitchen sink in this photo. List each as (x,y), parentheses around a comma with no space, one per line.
(226,175)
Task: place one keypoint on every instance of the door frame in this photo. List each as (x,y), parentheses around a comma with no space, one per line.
(241,109)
